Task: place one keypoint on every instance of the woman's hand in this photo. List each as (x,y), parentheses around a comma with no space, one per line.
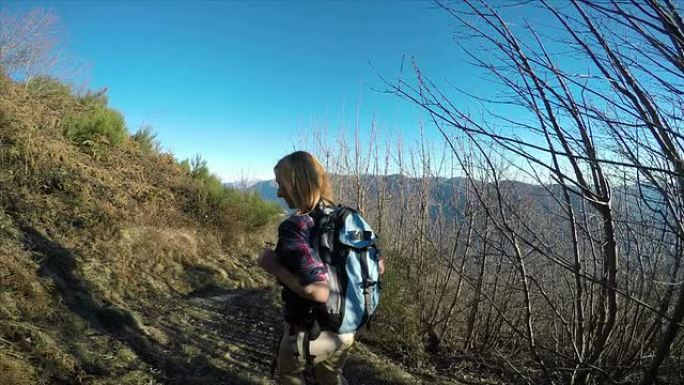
(317,291)
(269,261)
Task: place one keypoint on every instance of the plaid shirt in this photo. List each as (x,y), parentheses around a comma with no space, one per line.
(296,252)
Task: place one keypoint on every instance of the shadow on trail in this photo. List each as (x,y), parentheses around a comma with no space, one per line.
(58,264)
(247,322)
(251,320)
(215,336)
(358,371)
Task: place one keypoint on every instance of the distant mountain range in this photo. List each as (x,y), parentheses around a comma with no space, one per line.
(267,189)
(446,189)
(448,194)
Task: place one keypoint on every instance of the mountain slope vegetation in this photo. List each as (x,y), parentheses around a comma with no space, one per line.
(94,225)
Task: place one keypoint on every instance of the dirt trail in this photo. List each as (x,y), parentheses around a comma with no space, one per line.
(242,327)
(213,336)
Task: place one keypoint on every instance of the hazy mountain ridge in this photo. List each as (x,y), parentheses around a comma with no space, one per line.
(446,189)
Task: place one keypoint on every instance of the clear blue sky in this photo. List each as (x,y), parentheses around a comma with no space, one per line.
(241,82)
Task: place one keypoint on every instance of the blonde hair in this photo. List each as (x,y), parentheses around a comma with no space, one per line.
(304,180)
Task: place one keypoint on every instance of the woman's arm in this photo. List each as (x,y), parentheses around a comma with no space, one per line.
(317,291)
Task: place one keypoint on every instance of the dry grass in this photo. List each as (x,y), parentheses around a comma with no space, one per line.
(165,262)
(16,370)
(89,242)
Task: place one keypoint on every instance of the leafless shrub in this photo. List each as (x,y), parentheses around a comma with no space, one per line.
(598,293)
(28,43)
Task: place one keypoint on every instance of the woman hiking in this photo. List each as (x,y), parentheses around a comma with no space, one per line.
(304,185)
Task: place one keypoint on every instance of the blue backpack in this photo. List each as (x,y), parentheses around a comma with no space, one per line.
(347,246)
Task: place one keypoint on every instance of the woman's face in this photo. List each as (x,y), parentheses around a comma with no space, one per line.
(282,193)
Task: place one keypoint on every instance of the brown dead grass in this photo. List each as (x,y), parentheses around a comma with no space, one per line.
(16,370)
(156,262)
(126,218)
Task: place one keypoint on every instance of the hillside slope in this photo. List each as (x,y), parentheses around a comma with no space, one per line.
(91,233)
(118,265)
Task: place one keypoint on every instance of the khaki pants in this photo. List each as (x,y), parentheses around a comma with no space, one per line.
(330,351)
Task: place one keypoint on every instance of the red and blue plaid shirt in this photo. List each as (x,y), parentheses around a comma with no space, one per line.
(296,252)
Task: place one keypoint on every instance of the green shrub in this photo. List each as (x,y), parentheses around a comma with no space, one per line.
(48,87)
(398,331)
(100,125)
(185,166)
(53,92)
(94,99)
(147,139)
(224,207)
(199,169)
(253,211)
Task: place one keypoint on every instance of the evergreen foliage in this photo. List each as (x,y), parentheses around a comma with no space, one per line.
(48,87)
(211,196)
(147,139)
(94,126)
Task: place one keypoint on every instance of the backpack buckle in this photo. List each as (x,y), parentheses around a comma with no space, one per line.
(367,282)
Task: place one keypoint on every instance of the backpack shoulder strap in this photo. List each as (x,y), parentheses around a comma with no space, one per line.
(328,220)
